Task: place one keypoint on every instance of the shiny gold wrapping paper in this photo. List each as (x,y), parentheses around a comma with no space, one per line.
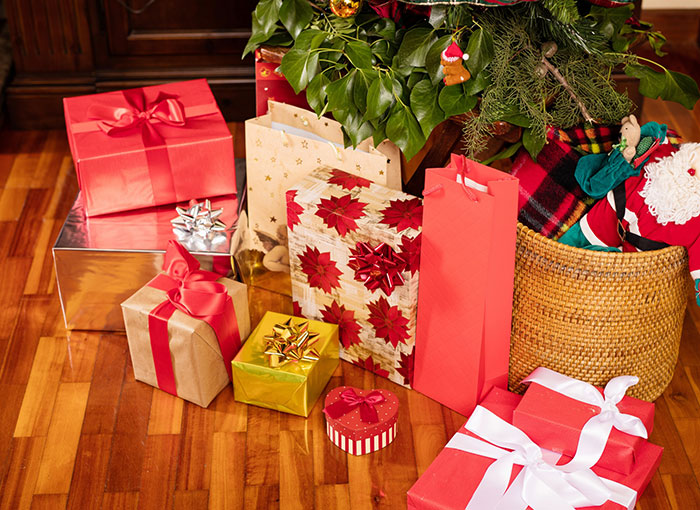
(292,388)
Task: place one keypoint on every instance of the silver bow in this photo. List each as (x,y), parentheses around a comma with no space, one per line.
(198,227)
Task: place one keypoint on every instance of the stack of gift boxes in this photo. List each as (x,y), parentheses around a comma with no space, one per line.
(148,248)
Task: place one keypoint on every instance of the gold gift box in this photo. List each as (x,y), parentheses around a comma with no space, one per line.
(291,388)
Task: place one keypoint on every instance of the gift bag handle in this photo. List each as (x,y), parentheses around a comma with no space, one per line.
(462,170)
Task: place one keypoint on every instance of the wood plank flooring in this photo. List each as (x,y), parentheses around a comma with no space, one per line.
(78,432)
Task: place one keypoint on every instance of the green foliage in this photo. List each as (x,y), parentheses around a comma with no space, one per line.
(383,78)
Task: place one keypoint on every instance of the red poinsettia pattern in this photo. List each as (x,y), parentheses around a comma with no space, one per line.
(410,252)
(406,364)
(296,309)
(293,209)
(372,366)
(341,212)
(320,270)
(348,181)
(388,322)
(345,319)
(403,214)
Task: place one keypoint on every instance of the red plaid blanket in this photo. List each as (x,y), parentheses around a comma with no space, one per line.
(550,200)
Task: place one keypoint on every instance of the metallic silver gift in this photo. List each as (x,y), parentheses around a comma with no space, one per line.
(101,261)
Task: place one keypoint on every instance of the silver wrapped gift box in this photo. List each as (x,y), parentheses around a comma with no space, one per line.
(101,261)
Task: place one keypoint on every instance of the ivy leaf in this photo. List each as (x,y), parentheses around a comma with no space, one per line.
(533,143)
(363,79)
(415,46)
(316,93)
(454,101)
(299,67)
(416,76)
(295,15)
(476,84)
(264,21)
(480,50)
(438,14)
(384,28)
(339,92)
(668,85)
(505,153)
(517,119)
(656,41)
(424,103)
(432,58)
(353,126)
(379,134)
(309,39)
(380,97)
(360,54)
(403,129)
(383,50)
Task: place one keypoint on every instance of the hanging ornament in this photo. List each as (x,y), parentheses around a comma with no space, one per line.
(451,60)
(345,8)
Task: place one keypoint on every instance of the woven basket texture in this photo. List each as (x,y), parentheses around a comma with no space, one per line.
(597,315)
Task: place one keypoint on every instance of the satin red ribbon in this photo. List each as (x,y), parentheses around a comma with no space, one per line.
(195,292)
(139,115)
(378,268)
(349,400)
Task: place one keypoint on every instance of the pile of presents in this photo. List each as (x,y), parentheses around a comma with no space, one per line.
(148,245)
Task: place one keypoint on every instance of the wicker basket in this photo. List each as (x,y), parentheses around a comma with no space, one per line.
(596,315)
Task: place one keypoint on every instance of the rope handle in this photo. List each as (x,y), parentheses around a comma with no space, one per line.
(338,155)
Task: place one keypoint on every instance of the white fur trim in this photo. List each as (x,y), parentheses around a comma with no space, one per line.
(695,274)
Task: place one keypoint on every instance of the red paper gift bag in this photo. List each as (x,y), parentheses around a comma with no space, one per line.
(466,291)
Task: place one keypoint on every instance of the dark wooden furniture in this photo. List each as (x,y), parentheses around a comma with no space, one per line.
(71,47)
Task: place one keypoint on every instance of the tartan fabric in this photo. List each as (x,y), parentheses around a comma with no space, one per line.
(550,200)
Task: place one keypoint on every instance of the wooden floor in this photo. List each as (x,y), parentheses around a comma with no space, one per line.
(77,431)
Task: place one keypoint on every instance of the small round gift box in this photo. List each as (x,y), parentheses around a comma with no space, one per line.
(361,421)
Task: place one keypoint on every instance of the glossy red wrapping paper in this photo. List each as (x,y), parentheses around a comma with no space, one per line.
(271,84)
(539,415)
(450,481)
(170,157)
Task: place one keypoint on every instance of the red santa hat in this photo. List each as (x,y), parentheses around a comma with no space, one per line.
(453,53)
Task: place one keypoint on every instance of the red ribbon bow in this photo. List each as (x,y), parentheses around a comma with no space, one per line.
(349,400)
(138,113)
(377,268)
(195,292)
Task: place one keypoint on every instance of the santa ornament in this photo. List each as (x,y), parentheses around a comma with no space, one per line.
(451,60)
(659,207)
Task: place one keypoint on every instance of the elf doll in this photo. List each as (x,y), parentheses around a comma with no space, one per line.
(657,208)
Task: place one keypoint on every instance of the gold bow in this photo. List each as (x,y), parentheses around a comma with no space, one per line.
(290,343)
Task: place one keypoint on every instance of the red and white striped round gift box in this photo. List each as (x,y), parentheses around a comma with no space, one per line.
(361,421)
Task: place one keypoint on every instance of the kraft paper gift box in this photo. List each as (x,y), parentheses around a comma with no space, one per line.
(270,84)
(284,146)
(613,437)
(100,261)
(354,254)
(184,328)
(288,380)
(149,146)
(455,479)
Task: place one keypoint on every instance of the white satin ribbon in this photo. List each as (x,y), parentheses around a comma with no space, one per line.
(541,484)
(596,431)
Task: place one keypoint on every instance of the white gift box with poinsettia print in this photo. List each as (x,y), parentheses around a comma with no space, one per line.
(354,255)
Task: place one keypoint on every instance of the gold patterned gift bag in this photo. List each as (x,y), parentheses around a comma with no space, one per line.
(284,146)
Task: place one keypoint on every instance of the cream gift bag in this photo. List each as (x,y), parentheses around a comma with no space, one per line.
(288,143)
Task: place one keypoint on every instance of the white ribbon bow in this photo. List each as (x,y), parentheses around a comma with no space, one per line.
(595,433)
(541,484)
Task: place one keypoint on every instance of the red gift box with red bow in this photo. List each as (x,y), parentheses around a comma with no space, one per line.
(361,421)
(149,146)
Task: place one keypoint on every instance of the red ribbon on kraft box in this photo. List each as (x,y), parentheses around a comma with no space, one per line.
(197,293)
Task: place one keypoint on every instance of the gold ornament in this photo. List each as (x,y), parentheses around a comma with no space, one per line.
(345,8)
